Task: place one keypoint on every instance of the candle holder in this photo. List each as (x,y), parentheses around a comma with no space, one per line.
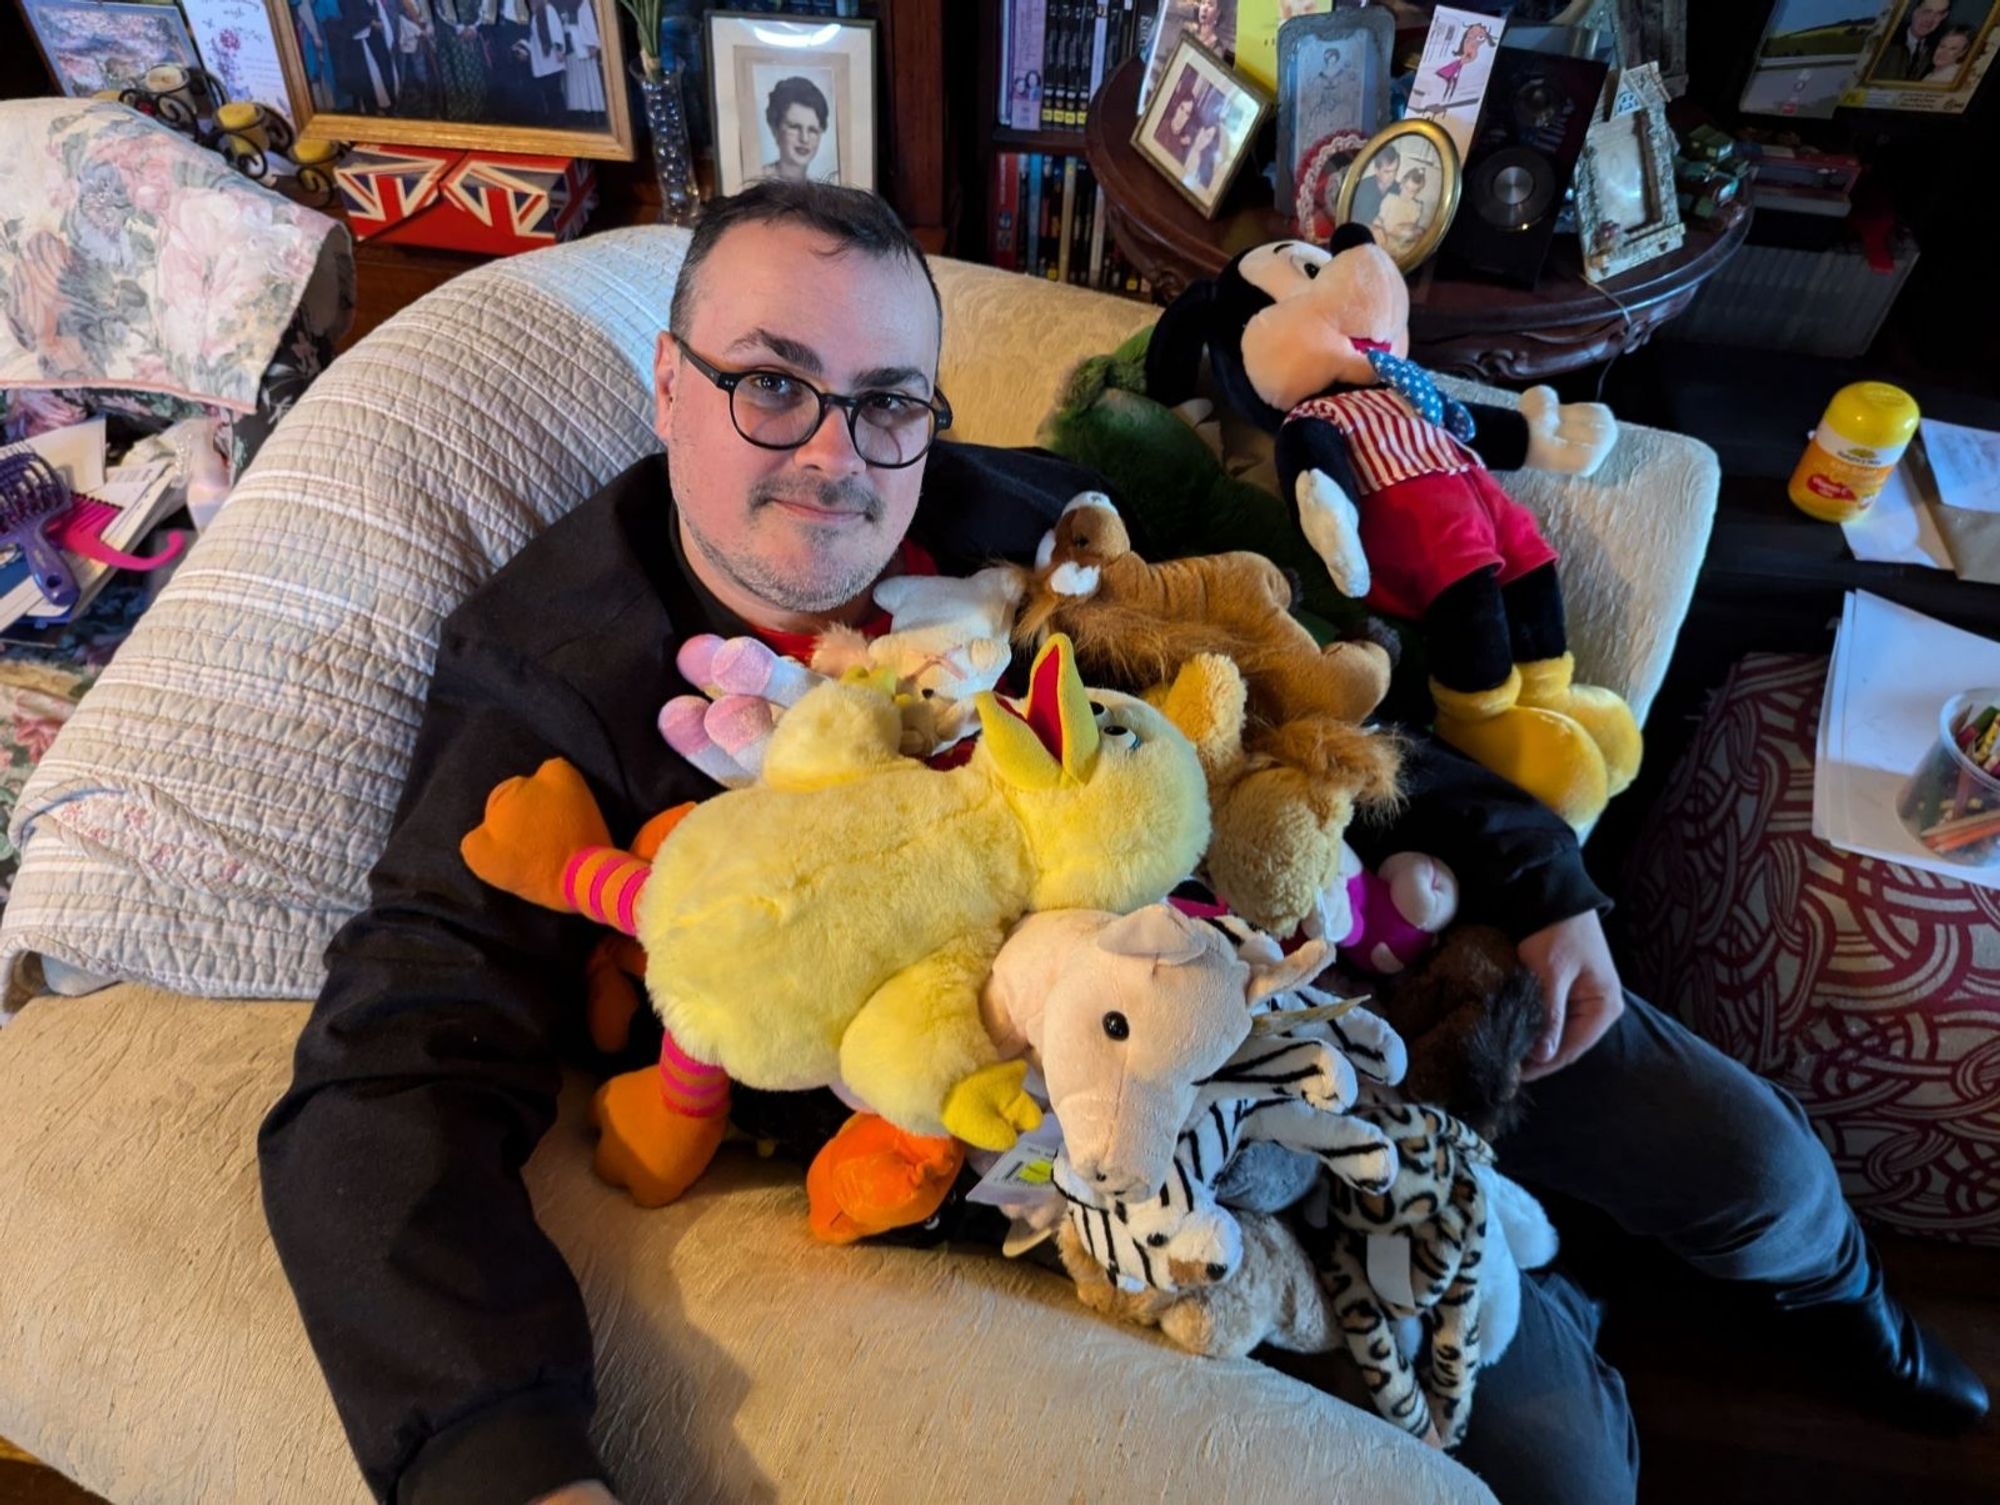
(178,96)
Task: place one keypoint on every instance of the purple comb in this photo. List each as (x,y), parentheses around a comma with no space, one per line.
(33,495)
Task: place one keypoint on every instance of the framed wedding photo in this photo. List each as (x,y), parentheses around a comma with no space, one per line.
(1403,185)
(1199,128)
(546,77)
(792,99)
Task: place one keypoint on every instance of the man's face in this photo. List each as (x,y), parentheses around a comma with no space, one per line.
(1928,16)
(804,530)
(1385,169)
(798,135)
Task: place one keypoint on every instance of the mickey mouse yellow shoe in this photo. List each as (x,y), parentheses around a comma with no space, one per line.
(1547,685)
(1545,753)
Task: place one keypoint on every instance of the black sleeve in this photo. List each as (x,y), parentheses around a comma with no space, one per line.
(1500,436)
(452,1334)
(1518,863)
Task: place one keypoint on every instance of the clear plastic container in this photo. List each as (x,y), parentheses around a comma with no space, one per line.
(1951,804)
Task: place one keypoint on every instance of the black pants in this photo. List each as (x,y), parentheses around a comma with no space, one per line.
(1676,1142)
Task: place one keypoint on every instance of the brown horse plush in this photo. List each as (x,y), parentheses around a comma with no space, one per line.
(1288,758)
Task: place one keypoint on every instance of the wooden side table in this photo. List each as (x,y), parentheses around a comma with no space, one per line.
(1461,325)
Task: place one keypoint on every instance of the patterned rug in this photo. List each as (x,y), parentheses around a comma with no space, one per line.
(43,674)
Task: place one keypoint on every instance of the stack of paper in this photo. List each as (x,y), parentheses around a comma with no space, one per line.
(1893,670)
(1899,527)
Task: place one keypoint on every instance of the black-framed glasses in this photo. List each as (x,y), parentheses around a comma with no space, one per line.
(777,410)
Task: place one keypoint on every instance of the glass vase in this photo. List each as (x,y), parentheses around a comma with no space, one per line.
(673,157)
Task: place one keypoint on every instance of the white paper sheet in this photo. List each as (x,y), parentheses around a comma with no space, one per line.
(1898,527)
(1965,462)
(1893,669)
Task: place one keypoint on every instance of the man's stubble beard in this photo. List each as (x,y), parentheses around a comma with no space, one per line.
(824,592)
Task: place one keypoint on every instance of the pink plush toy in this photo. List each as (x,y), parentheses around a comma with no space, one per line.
(1384,920)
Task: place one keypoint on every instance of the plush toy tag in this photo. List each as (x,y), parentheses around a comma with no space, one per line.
(1389,1270)
(1021,1181)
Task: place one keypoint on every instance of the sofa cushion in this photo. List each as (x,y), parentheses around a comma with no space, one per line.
(149,1347)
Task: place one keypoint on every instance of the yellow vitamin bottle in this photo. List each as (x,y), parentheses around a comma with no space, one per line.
(1866,429)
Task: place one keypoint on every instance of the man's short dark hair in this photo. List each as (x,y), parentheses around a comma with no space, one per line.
(852,218)
(794,91)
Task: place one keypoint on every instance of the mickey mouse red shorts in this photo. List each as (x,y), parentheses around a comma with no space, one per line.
(1429,533)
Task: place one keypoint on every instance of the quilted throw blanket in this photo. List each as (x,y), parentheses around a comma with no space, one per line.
(130,257)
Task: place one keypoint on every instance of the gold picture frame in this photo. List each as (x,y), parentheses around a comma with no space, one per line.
(1410,242)
(1198,94)
(613,143)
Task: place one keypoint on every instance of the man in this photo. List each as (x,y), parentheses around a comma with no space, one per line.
(797,114)
(1909,55)
(452,1335)
(365,55)
(517,97)
(1371,191)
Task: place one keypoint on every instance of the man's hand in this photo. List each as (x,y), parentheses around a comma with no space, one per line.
(1581,995)
(589,1492)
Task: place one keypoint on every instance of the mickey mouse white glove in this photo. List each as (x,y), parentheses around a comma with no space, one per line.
(1333,527)
(1571,438)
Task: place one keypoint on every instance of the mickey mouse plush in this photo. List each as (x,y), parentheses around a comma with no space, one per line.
(1390,478)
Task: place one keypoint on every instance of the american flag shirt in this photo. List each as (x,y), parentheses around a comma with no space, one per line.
(1386,441)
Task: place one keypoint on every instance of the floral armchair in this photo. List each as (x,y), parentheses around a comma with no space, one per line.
(143,278)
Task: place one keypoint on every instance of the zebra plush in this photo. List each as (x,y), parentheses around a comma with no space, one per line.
(1290,1089)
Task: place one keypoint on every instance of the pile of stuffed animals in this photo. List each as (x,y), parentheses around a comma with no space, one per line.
(957,899)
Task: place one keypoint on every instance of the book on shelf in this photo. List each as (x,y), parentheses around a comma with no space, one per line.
(1051,220)
(1056,54)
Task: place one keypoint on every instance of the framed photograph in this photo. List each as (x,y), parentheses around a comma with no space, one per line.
(1808,56)
(792,99)
(546,77)
(1403,185)
(1210,22)
(90,47)
(1927,55)
(1201,124)
(1626,207)
(1333,94)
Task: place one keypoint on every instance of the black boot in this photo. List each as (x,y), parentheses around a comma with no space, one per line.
(1908,1370)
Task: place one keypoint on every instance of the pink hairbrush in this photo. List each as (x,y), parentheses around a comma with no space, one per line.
(81,531)
(33,495)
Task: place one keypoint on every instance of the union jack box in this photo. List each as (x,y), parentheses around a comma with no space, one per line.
(494,202)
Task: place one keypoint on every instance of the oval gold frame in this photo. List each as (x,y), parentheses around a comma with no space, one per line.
(1447,151)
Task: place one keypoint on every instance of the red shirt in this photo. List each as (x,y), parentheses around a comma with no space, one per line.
(911,559)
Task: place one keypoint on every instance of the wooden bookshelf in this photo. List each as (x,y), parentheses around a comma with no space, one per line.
(989,139)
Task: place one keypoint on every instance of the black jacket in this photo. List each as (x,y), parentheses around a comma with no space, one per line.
(452,1333)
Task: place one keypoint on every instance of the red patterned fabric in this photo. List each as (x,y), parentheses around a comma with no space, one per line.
(1869,990)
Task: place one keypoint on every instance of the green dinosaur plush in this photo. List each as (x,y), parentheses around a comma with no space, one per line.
(1178,499)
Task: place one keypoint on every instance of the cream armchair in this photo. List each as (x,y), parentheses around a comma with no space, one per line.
(208,818)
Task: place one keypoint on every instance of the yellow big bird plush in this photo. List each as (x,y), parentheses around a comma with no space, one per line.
(833,924)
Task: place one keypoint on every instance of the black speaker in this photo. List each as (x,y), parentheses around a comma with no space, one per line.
(1537,110)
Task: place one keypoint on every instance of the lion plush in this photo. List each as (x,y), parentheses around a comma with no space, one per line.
(1288,758)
